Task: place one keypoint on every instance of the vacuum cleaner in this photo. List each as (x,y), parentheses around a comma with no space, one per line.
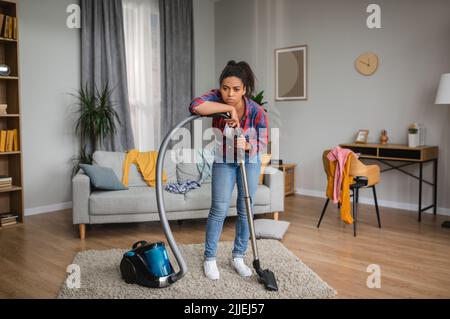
(148,265)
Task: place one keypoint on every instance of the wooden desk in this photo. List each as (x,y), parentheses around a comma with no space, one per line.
(408,156)
(289,177)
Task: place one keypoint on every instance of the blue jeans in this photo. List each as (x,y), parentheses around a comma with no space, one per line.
(224,177)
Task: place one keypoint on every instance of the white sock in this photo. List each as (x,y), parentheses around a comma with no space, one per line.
(240,267)
(211,270)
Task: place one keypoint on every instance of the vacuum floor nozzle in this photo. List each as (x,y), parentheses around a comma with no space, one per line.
(267,277)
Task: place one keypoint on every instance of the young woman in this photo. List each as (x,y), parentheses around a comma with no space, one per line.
(237,83)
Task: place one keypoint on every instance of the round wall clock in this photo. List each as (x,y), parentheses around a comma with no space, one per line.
(367,63)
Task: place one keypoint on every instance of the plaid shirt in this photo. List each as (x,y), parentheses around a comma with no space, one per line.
(254,123)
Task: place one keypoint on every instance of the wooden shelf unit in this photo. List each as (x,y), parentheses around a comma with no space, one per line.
(289,177)
(11,200)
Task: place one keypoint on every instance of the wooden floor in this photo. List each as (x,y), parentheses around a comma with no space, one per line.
(414,258)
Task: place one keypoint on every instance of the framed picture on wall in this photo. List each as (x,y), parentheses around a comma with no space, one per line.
(291,73)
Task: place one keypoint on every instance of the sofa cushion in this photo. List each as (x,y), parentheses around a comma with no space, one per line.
(115,161)
(103,178)
(135,200)
(205,164)
(186,166)
(201,198)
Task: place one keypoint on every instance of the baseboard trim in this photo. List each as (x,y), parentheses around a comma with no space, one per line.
(47,209)
(382,203)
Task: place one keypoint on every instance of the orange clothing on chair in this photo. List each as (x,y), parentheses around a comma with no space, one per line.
(146,164)
(344,197)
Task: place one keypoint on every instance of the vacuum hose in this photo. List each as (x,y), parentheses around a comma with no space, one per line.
(160,196)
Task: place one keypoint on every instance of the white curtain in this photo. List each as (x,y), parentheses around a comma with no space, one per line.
(142,45)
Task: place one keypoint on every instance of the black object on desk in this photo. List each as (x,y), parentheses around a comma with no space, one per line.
(406,156)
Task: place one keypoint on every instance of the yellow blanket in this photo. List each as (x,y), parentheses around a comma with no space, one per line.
(344,198)
(146,164)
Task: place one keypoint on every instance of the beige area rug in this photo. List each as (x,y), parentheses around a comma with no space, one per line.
(100,277)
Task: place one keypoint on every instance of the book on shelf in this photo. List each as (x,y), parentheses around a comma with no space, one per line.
(8,215)
(15,141)
(8,27)
(11,21)
(11,223)
(5,33)
(6,186)
(15,28)
(2,23)
(2,141)
(8,219)
(5,180)
(9,141)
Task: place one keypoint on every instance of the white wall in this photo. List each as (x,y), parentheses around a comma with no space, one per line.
(50,70)
(414,48)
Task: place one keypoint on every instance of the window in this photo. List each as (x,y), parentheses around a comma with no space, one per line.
(143,58)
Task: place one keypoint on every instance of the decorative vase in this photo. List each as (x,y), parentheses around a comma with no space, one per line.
(413,140)
(384,138)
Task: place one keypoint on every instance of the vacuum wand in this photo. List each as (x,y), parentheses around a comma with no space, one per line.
(267,277)
(160,196)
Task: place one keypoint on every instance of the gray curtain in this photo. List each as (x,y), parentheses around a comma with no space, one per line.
(176,61)
(103,62)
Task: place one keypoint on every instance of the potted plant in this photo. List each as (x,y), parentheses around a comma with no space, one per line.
(259,99)
(96,121)
(413,136)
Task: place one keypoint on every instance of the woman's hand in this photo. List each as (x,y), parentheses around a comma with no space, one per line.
(234,121)
(241,143)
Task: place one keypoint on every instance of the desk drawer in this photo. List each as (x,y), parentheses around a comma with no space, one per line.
(370,151)
(400,153)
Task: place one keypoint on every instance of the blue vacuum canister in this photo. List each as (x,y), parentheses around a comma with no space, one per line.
(147,265)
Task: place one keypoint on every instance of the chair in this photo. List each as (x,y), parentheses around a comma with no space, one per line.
(365,176)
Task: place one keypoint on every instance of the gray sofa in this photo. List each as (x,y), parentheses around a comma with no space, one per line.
(138,203)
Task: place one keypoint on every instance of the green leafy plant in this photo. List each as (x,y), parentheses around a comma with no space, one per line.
(259,99)
(413,128)
(96,121)
(84,157)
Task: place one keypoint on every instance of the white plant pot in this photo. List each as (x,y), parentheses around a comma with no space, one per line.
(413,140)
